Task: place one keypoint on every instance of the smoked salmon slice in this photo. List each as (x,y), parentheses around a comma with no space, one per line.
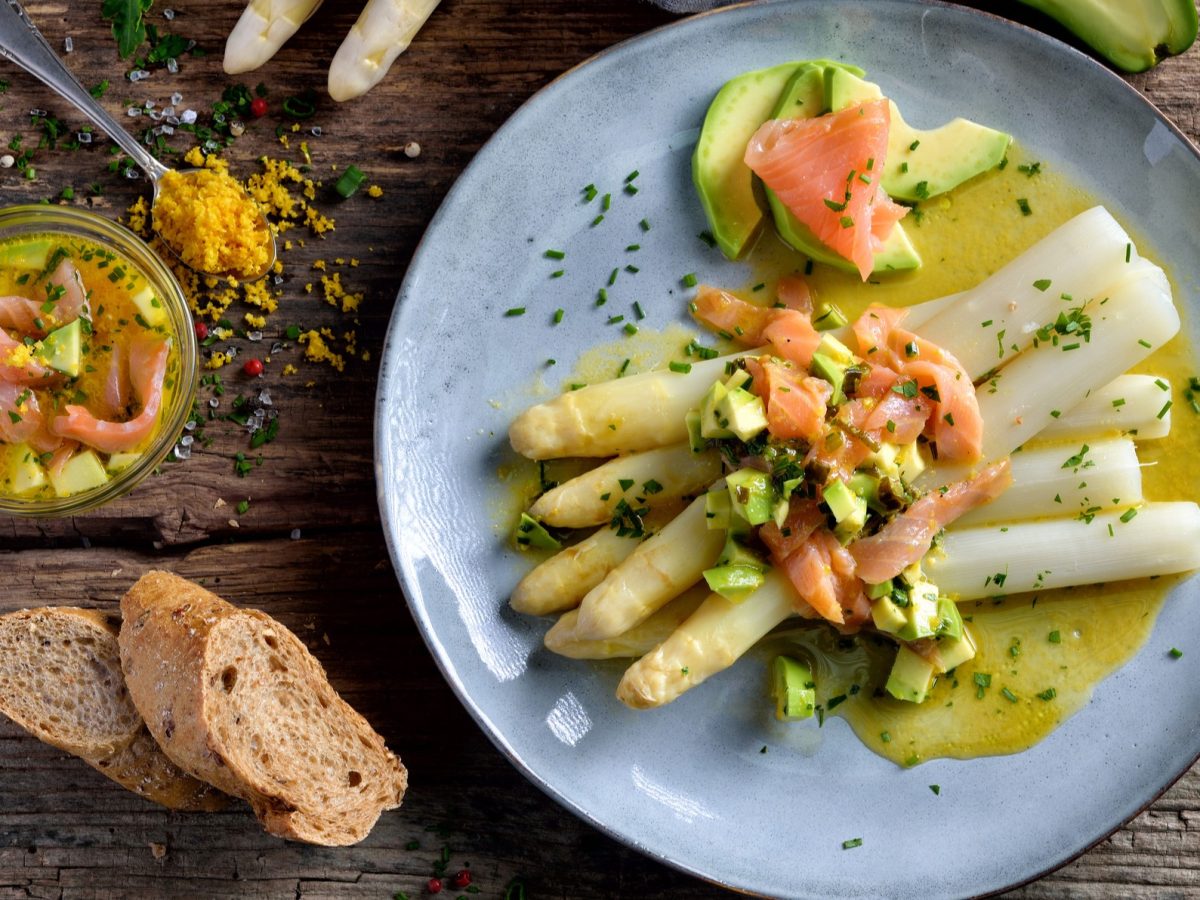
(148,368)
(826,171)
(907,538)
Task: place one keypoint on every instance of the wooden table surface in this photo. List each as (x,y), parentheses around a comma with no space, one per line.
(65,830)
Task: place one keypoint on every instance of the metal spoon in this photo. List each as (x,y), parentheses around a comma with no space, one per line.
(22,43)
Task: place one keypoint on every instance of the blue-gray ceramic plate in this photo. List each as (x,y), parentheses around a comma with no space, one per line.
(687,784)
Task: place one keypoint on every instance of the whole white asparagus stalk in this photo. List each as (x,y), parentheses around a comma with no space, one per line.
(647,479)
(561,581)
(1048,482)
(264,27)
(660,569)
(383,31)
(1082,258)
(637,641)
(1129,404)
(1154,539)
(711,640)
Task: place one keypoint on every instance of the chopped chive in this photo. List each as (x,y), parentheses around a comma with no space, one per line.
(847,221)
(613,320)
(1128,251)
(590,192)
(903,167)
(601,297)
(1176,653)
(985,324)
(836,207)
(1162,385)
(612,278)
(1048,694)
(638,311)
(632,175)
(624,368)
(630,328)
(1162,412)
(922,190)
(558,315)
(631,189)
(852,843)
(708,238)
(688,280)
(1145,343)
(1128,515)
(1054,637)
(625,483)
(914,145)
(1024,205)
(681,367)
(1008,695)
(1119,402)
(596,221)
(870,163)
(632,270)
(644,224)
(633,248)
(558,273)
(515,311)
(865,179)
(555,254)
(885,736)
(937,789)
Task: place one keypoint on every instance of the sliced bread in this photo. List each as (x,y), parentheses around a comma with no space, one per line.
(61,680)
(237,700)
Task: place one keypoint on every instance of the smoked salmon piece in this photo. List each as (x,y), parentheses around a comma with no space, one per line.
(823,573)
(907,538)
(148,368)
(722,311)
(826,171)
(795,402)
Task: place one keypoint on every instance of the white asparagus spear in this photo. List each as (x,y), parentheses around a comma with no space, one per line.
(653,478)
(1161,539)
(637,641)
(1082,257)
(1045,485)
(264,27)
(658,570)
(1129,404)
(383,31)
(711,640)
(1137,318)
(561,581)
(642,411)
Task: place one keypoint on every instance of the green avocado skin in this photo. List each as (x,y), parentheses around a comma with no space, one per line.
(1133,35)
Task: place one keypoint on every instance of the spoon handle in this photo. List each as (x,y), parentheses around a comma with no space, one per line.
(22,43)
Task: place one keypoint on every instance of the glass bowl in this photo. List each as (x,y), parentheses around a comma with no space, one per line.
(29,220)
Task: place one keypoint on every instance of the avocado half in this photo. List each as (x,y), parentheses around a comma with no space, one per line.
(1133,35)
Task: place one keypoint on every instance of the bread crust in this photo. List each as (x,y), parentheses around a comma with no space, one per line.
(126,753)
(210,679)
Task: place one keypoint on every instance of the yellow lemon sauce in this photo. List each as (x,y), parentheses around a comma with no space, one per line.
(113,318)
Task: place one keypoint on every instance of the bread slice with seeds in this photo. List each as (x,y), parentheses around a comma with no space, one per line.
(61,680)
(237,700)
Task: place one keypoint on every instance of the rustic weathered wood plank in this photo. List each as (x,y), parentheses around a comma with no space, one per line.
(66,831)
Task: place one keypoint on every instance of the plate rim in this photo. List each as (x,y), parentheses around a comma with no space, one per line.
(401,565)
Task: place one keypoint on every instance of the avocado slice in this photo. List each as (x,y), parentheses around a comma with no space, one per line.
(1133,35)
(26,475)
(806,91)
(82,472)
(63,348)
(922,164)
(723,181)
(25,254)
(734,583)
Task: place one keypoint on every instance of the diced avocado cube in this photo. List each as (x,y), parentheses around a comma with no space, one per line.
(794,689)
(910,462)
(735,553)
(842,501)
(911,676)
(950,619)
(716,509)
(744,412)
(25,254)
(836,350)
(865,485)
(883,589)
(712,424)
(25,474)
(532,533)
(829,317)
(82,472)
(953,652)
(887,616)
(734,583)
(924,617)
(825,367)
(751,494)
(779,512)
(63,348)
(695,439)
(738,378)
(119,462)
(151,307)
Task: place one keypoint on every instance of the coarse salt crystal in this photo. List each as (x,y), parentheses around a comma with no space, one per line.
(68,44)
(172,65)
(188,117)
